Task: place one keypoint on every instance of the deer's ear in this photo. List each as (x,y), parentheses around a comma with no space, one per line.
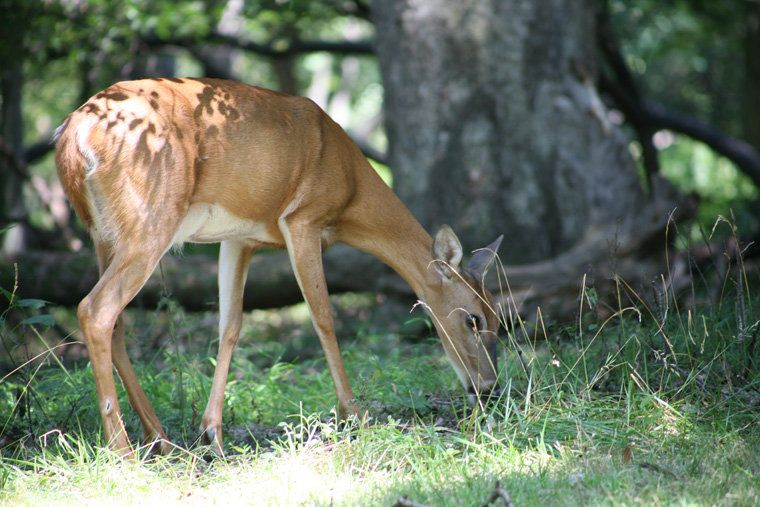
(447,252)
(483,259)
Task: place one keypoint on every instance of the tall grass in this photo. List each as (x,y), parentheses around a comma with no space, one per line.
(650,396)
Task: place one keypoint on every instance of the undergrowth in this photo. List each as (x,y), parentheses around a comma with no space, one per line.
(650,395)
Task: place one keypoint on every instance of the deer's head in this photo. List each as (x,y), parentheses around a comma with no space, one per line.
(464,313)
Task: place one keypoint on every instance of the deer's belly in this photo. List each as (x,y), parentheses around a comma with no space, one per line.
(209,223)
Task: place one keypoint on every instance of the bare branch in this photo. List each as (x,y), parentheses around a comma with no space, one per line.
(267,49)
(626,94)
(39,149)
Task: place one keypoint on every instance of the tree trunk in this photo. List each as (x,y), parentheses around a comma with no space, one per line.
(751,109)
(495,126)
(12,206)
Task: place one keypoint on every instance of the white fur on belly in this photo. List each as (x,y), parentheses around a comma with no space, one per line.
(209,223)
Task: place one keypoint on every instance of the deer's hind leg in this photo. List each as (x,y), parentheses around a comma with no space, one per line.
(124,271)
(152,429)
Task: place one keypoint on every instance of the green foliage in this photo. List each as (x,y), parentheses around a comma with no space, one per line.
(108,35)
(693,168)
(37,391)
(687,54)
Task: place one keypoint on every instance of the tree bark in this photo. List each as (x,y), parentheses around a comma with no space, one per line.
(12,206)
(495,126)
(751,107)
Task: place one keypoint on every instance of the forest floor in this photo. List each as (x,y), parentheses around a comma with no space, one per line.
(653,404)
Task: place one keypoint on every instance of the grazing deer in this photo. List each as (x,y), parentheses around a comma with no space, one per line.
(152,164)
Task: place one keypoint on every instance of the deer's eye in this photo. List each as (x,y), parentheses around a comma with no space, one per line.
(473,321)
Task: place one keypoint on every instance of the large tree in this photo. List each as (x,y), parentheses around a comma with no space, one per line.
(495,124)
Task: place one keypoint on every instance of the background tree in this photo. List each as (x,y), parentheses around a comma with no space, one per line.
(492,112)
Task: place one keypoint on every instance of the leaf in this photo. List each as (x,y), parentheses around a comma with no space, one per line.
(44,320)
(31,303)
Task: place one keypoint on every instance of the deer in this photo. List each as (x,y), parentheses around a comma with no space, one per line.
(151,164)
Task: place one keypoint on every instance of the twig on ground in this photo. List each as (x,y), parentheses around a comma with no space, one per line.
(661,469)
(499,493)
(405,502)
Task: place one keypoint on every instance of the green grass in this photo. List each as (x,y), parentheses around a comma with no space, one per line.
(652,403)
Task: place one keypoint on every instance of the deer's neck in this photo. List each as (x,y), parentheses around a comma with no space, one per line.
(378,223)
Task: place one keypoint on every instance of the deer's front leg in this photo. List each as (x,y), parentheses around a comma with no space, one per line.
(305,250)
(234,259)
